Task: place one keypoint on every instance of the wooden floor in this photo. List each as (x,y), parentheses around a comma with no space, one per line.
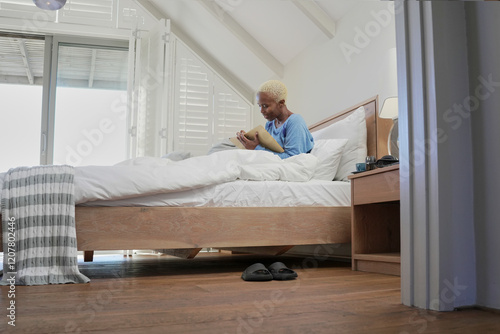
(152,294)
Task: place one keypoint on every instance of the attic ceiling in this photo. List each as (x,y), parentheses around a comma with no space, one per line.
(253,40)
(249,41)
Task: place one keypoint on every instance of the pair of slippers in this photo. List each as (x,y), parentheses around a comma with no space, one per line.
(276,271)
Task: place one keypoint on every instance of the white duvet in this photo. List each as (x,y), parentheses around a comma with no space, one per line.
(149,176)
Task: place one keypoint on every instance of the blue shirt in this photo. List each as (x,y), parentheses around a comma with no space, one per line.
(293,136)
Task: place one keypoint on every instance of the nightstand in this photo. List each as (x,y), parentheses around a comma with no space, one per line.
(375,221)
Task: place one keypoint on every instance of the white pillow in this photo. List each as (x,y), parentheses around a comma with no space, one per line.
(328,152)
(352,128)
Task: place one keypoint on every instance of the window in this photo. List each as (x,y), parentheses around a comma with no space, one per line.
(179,103)
(90,127)
(79,117)
(207,110)
(21,71)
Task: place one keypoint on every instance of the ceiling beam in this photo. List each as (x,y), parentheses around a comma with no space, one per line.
(92,68)
(317,15)
(27,66)
(239,85)
(248,40)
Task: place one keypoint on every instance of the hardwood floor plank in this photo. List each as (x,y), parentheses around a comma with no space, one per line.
(207,295)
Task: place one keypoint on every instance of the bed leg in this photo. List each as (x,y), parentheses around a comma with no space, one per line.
(88,256)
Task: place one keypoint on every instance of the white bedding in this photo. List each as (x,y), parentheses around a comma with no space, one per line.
(243,193)
(149,176)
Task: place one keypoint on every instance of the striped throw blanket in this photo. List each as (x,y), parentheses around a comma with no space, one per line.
(38,224)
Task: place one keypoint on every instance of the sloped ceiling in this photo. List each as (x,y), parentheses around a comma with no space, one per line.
(251,40)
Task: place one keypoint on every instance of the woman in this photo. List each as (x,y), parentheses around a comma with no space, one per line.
(288,129)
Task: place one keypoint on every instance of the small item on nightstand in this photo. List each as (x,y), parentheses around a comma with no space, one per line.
(386,160)
(370,162)
(360,167)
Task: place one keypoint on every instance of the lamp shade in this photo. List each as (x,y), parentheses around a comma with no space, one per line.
(389,108)
(49,4)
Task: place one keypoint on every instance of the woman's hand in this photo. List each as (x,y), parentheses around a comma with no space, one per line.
(247,143)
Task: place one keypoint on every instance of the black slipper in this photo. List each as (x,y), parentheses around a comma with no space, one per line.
(281,272)
(257,272)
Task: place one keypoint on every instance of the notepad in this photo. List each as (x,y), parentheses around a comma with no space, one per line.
(265,138)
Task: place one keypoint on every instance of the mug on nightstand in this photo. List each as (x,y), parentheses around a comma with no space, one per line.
(360,167)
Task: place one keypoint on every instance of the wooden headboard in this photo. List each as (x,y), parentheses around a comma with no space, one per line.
(377,128)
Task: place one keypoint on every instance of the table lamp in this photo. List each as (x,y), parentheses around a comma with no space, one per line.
(390,110)
(50,4)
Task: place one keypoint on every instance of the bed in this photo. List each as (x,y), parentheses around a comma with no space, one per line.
(185,230)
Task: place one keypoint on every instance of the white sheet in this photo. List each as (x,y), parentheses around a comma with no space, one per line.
(149,176)
(282,194)
(243,193)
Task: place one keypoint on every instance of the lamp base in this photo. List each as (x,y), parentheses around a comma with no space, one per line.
(393,140)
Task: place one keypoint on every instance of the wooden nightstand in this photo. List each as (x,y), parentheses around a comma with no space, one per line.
(375,221)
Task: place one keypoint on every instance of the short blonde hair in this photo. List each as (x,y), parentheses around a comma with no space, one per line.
(275,88)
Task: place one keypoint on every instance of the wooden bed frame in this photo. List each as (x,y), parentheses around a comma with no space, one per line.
(184,231)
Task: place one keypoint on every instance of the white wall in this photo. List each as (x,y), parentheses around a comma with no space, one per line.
(332,75)
(484,61)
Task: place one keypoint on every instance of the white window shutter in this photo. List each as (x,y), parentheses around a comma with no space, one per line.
(193,103)
(231,112)
(184,106)
(148,91)
(90,12)
(206,109)
(133,93)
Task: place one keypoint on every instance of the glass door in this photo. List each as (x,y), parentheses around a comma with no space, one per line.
(90,103)
(21,72)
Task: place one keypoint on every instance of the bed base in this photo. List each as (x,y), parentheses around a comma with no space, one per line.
(185,231)
(176,228)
